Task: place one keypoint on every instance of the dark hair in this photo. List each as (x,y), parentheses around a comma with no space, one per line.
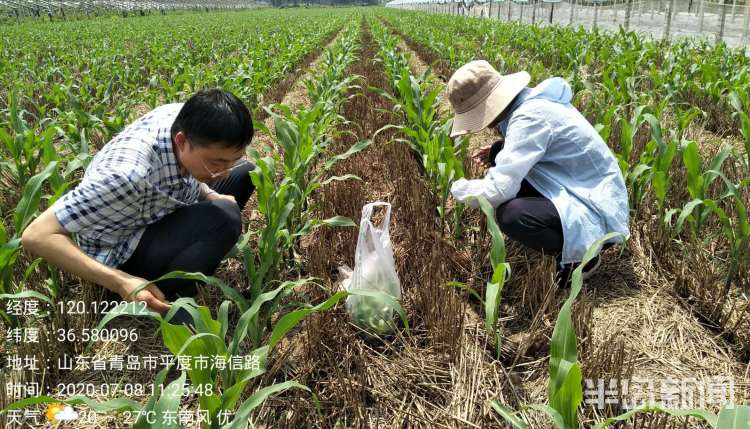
(215,116)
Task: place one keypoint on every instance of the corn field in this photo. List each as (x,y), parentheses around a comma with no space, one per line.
(350,107)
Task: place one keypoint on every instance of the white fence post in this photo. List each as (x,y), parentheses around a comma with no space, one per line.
(509,10)
(596,15)
(572,10)
(551,13)
(668,18)
(723,21)
(628,11)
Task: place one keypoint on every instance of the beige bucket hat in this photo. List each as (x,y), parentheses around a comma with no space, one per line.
(479,94)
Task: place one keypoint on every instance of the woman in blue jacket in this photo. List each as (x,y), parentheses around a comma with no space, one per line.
(555,184)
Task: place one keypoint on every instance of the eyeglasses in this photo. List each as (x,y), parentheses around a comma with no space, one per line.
(238,163)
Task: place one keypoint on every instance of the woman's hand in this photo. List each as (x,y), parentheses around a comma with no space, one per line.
(482,156)
(486,155)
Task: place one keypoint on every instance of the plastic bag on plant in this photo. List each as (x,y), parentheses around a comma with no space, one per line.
(374,270)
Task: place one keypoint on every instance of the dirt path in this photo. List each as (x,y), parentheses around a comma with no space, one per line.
(439,375)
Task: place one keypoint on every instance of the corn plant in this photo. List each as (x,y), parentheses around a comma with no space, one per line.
(211,337)
(417,100)
(698,183)
(664,153)
(10,244)
(565,389)
(500,275)
(302,138)
(741,104)
(736,231)
(24,144)
(652,169)
(628,130)
(331,85)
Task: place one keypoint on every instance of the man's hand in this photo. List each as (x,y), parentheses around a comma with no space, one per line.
(151,295)
(217,196)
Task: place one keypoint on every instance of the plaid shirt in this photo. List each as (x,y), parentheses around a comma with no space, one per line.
(132,182)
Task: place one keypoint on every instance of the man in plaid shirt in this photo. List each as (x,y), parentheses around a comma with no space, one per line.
(165,194)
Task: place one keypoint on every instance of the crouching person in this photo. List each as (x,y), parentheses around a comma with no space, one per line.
(555,184)
(164,195)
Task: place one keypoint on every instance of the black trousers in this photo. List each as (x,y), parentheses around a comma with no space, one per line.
(193,238)
(532,220)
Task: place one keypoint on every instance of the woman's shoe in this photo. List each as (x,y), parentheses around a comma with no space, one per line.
(565,274)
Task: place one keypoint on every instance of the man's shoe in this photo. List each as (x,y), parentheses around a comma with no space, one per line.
(565,274)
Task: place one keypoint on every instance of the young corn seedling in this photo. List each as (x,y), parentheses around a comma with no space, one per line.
(653,166)
(429,137)
(664,153)
(565,389)
(500,275)
(741,104)
(698,182)
(629,128)
(303,137)
(25,145)
(10,244)
(219,387)
(736,231)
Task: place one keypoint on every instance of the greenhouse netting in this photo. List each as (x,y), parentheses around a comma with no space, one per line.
(727,20)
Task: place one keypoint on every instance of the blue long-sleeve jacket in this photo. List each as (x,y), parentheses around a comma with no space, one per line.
(550,144)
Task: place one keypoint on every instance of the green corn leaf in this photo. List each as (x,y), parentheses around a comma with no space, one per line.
(733,417)
(691,158)
(353,150)
(497,253)
(706,416)
(565,390)
(32,195)
(142,421)
(684,214)
(656,132)
(508,415)
(169,403)
(223,317)
(233,393)
(290,320)
(567,396)
(247,407)
(229,292)
(27,294)
(341,221)
(112,405)
(557,419)
(250,314)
